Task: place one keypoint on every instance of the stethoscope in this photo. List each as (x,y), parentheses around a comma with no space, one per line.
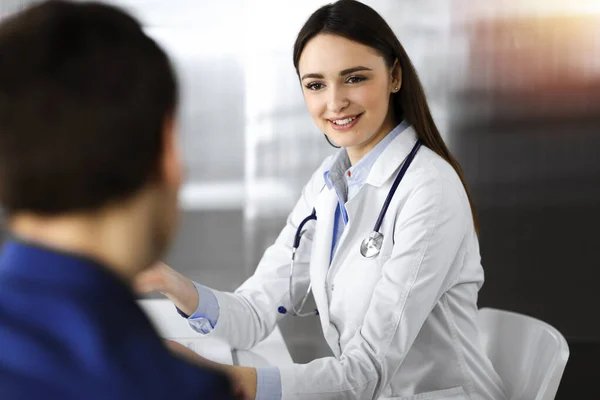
(369,248)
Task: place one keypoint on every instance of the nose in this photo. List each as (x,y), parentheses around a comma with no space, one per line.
(337,101)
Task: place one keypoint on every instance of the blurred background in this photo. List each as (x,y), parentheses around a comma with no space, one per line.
(514,86)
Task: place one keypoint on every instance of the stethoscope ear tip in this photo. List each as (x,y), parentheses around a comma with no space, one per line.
(283,310)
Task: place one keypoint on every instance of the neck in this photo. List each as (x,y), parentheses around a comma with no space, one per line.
(356,153)
(118,241)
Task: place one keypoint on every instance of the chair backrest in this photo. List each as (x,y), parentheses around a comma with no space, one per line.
(528,354)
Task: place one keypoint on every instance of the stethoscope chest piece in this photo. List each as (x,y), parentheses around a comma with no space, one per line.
(371,246)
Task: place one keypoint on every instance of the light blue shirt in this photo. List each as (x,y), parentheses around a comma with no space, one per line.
(347,181)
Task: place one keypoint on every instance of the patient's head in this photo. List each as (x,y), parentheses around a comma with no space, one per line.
(87,124)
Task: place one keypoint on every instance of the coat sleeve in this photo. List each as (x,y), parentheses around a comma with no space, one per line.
(250,314)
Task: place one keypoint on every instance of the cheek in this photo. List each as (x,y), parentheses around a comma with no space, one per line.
(315,106)
(372,98)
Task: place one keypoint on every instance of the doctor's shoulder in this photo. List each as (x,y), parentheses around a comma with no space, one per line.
(432,173)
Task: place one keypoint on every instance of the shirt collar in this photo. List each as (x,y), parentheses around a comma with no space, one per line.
(49,266)
(335,173)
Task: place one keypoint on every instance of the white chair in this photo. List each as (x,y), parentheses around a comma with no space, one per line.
(528,354)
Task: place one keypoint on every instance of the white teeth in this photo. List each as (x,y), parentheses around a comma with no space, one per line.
(344,121)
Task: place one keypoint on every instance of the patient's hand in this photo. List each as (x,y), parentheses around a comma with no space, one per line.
(242,378)
(164,279)
(181,351)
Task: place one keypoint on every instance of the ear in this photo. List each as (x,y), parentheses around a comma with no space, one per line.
(396,77)
(171,163)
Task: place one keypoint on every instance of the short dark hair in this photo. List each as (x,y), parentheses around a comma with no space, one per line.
(84,97)
(360,23)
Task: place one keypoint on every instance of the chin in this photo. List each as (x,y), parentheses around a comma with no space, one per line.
(346,139)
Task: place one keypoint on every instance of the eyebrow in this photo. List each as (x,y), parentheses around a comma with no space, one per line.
(342,73)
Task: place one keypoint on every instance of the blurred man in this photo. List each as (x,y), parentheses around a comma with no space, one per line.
(89,176)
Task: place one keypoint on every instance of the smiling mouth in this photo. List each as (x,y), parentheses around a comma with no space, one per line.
(344,123)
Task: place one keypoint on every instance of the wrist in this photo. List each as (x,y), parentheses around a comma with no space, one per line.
(181,291)
(244,380)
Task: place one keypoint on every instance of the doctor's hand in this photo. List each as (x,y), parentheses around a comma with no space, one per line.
(243,379)
(164,279)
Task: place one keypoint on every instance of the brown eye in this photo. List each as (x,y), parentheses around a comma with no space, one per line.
(355,79)
(314,86)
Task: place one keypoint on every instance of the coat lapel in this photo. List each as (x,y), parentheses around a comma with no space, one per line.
(321,253)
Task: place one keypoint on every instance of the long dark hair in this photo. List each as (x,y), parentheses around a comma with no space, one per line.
(358,22)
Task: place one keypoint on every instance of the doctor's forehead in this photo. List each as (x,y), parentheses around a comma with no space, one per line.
(328,54)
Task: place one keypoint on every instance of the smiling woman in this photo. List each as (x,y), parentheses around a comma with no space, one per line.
(355,47)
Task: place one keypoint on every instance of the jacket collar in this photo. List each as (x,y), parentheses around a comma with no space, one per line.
(391,158)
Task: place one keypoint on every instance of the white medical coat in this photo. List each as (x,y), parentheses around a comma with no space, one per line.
(401,325)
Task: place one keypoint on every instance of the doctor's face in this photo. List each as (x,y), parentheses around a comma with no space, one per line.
(347,88)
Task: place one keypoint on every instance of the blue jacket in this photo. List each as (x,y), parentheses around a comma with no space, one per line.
(70,329)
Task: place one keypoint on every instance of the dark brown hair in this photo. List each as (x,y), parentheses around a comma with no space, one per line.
(358,22)
(84,96)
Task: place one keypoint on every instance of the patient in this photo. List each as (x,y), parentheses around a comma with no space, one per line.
(89,176)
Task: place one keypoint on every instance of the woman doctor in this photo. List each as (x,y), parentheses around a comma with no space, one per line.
(398,311)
